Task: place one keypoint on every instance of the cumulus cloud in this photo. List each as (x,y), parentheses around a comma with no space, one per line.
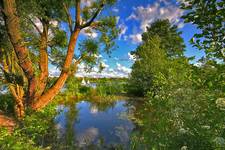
(87,3)
(123,29)
(122,69)
(131,57)
(116,10)
(54,71)
(89,33)
(161,9)
(135,38)
(119,72)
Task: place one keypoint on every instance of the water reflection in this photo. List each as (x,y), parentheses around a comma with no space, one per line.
(94,124)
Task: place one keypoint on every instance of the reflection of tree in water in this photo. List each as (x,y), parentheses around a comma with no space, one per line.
(87,137)
(171,125)
(122,132)
(90,138)
(102,106)
(67,140)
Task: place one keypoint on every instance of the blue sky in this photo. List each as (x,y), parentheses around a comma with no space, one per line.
(133,16)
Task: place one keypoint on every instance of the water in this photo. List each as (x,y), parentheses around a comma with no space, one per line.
(86,123)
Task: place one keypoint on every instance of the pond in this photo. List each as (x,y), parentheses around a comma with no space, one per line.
(90,124)
(133,124)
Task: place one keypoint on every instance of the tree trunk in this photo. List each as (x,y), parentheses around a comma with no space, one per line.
(18,93)
(13,29)
(43,63)
(54,90)
(19,109)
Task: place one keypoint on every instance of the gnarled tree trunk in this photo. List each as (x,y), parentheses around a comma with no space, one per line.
(54,90)
(38,98)
(13,28)
(43,61)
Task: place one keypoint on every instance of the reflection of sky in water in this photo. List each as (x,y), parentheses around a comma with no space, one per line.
(61,119)
(93,124)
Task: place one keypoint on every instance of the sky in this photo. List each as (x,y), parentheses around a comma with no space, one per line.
(133,17)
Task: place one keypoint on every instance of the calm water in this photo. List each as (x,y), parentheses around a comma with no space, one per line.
(86,123)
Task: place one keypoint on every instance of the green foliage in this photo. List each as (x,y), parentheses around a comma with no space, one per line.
(210,75)
(110,87)
(35,131)
(152,60)
(184,107)
(15,141)
(208,16)
(6,103)
(154,72)
(189,118)
(171,40)
(160,64)
(89,49)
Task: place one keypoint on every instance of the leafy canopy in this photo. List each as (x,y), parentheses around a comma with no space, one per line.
(171,40)
(208,16)
(160,61)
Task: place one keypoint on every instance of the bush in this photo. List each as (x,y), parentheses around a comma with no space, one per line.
(188,118)
(36,131)
(7,103)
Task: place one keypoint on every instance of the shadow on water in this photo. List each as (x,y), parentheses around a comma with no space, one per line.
(91,125)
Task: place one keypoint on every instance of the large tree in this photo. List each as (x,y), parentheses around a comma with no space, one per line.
(34,34)
(171,39)
(208,16)
(159,60)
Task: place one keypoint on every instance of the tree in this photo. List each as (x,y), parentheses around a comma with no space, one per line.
(160,60)
(150,64)
(34,45)
(208,16)
(171,41)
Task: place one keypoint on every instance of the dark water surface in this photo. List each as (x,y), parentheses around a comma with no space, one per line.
(91,124)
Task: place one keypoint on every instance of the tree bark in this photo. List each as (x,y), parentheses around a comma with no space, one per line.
(13,29)
(54,90)
(43,61)
(17,92)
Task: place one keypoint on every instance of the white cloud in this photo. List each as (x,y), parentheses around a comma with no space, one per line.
(119,72)
(122,69)
(116,58)
(117,19)
(89,32)
(161,9)
(97,56)
(87,3)
(38,23)
(131,57)
(123,30)
(54,71)
(105,65)
(135,38)
(115,10)
(132,16)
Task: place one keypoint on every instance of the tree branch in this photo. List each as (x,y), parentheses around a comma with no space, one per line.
(75,64)
(68,17)
(93,17)
(78,10)
(43,60)
(14,32)
(36,27)
(222,53)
